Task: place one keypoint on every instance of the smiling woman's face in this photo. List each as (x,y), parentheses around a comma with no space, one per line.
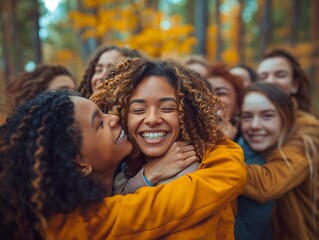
(153,116)
(103,67)
(261,123)
(277,70)
(226,92)
(104,142)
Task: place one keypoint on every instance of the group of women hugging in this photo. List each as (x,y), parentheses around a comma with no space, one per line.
(159,149)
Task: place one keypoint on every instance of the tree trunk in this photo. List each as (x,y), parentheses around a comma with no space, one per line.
(88,46)
(314,73)
(265,27)
(240,33)
(201,22)
(218,32)
(154,4)
(294,22)
(35,33)
(190,13)
(11,46)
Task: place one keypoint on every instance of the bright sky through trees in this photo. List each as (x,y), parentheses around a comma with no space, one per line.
(51,4)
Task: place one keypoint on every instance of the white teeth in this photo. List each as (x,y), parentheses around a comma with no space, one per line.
(154,135)
(119,139)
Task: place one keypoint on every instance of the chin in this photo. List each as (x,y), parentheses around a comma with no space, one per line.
(153,154)
(258,148)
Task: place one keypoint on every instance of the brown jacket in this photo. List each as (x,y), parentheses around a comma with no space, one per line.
(296,214)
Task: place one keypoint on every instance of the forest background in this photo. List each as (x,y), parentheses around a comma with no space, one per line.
(232,31)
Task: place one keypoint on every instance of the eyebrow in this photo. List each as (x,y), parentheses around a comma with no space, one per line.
(168,99)
(269,110)
(161,100)
(263,111)
(93,117)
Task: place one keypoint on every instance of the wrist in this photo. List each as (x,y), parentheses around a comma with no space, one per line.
(149,177)
(148,182)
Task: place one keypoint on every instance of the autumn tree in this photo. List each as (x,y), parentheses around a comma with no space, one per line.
(136,24)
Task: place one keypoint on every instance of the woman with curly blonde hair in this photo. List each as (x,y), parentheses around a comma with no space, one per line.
(160,103)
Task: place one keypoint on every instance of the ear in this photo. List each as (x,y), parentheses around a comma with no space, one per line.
(295,87)
(84,167)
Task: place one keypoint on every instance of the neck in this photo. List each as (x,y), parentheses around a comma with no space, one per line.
(106,179)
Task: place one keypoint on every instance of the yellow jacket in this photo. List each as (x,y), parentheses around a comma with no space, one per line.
(296,214)
(195,206)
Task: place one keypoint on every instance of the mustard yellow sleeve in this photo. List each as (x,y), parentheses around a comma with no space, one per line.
(275,178)
(152,212)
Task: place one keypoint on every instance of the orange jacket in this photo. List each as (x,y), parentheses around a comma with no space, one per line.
(296,214)
(195,206)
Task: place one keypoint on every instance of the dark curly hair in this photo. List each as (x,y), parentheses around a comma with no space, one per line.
(299,76)
(198,107)
(85,87)
(27,85)
(38,174)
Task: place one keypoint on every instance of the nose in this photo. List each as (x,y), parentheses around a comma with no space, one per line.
(255,124)
(270,78)
(152,117)
(112,120)
(104,72)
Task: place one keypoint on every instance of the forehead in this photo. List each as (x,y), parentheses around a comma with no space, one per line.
(273,64)
(83,108)
(154,86)
(110,56)
(257,101)
(61,81)
(218,82)
(239,71)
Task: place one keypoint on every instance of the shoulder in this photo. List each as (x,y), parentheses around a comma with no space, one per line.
(228,146)
(305,118)
(228,150)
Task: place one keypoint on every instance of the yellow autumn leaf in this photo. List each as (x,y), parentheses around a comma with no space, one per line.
(230,56)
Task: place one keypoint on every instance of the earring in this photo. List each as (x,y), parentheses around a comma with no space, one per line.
(86,170)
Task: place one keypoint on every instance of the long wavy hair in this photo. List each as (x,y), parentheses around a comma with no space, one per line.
(27,85)
(299,77)
(292,135)
(38,173)
(85,87)
(198,108)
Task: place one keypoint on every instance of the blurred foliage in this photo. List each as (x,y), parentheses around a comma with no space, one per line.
(164,28)
(135,24)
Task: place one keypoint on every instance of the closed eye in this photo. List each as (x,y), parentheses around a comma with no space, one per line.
(246,117)
(100,125)
(168,109)
(98,70)
(268,116)
(138,111)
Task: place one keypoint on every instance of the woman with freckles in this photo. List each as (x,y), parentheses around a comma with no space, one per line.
(169,114)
